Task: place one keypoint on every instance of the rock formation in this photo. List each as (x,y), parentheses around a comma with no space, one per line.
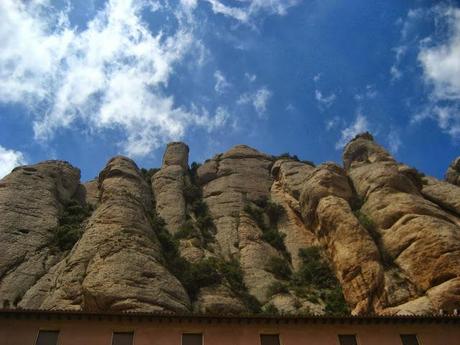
(453,172)
(243,232)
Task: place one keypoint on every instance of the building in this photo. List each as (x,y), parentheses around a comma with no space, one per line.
(38,327)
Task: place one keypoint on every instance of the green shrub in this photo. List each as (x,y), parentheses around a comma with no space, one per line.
(274,212)
(316,273)
(270,309)
(276,240)
(69,230)
(187,231)
(147,174)
(231,271)
(366,222)
(192,193)
(267,209)
(256,214)
(335,302)
(287,155)
(279,267)
(194,171)
(315,270)
(277,288)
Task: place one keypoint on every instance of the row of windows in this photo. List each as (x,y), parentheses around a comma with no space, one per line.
(126,338)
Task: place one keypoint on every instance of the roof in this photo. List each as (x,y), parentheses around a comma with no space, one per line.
(206,318)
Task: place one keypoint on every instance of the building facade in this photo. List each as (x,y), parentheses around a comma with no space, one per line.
(28,327)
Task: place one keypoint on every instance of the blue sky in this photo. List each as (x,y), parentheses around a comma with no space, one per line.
(86,80)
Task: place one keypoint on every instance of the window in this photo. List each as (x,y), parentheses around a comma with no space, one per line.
(269,339)
(122,338)
(47,338)
(347,339)
(409,339)
(192,339)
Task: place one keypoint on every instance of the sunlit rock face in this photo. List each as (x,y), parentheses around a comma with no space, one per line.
(243,232)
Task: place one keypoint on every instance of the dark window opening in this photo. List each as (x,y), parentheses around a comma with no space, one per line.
(122,338)
(47,338)
(409,339)
(269,339)
(347,339)
(192,339)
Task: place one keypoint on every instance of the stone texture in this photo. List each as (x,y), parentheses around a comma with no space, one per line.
(419,238)
(297,235)
(218,300)
(355,258)
(255,255)
(229,180)
(287,303)
(291,175)
(168,186)
(443,194)
(117,264)
(391,234)
(31,200)
(91,193)
(453,172)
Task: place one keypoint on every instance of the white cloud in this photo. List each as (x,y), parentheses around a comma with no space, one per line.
(9,159)
(332,123)
(258,99)
(317,77)
(111,75)
(394,141)
(250,77)
(358,126)
(441,62)
(221,82)
(324,101)
(369,93)
(395,70)
(248,9)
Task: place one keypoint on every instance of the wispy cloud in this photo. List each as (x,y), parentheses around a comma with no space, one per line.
(112,75)
(359,125)
(248,9)
(9,159)
(324,101)
(394,141)
(221,82)
(258,99)
(440,62)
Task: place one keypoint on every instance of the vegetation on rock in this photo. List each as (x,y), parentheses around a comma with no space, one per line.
(70,227)
(266,214)
(148,173)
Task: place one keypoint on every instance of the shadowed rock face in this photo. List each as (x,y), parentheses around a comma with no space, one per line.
(31,199)
(390,234)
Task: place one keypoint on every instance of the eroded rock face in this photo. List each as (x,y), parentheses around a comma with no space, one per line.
(229,180)
(117,264)
(168,185)
(31,200)
(453,172)
(325,203)
(418,237)
(391,234)
(289,178)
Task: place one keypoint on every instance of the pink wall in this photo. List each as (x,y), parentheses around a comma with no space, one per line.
(96,332)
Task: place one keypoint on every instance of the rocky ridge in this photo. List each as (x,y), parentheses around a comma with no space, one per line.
(244,232)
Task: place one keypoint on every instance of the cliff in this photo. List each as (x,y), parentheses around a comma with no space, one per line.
(244,232)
